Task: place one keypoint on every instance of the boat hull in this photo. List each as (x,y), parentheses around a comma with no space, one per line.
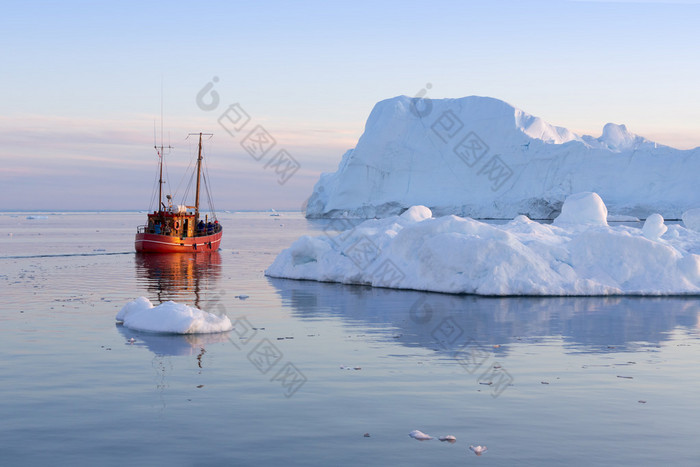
(156,243)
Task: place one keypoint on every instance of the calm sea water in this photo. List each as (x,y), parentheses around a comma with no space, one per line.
(312,367)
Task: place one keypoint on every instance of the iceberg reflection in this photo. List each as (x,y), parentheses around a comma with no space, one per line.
(171,344)
(584,324)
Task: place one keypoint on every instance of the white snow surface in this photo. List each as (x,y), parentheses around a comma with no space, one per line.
(171,318)
(578,254)
(483,158)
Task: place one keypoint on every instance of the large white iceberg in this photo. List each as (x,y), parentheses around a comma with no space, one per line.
(170,317)
(578,254)
(483,158)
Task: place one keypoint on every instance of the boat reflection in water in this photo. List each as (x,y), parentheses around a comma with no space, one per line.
(180,277)
(184,278)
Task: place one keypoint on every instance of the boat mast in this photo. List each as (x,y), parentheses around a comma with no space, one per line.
(199,171)
(160,179)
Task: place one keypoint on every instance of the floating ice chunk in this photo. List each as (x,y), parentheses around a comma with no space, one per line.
(170,317)
(478,450)
(691,219)
(585,208)
(419,435)
(578,255)
(654,227)
(448,438)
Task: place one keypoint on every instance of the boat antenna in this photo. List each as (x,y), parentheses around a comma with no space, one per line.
(160,150)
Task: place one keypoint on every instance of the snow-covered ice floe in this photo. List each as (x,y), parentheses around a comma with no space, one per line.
(578,254)
(170,317)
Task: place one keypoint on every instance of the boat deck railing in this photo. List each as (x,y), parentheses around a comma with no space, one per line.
(210,229)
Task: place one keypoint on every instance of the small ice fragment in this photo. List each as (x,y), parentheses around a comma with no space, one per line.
(642,402)
(625,377)
(419,435)
(544,382)
(448,438)
(585,208)
(242,296)
(654,227)
(478,450)
(366,435)
(691,219)
(132,340)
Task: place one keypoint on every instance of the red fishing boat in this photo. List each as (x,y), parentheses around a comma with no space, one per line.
(179,228)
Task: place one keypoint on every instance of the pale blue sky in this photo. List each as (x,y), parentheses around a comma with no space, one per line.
(81,82)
